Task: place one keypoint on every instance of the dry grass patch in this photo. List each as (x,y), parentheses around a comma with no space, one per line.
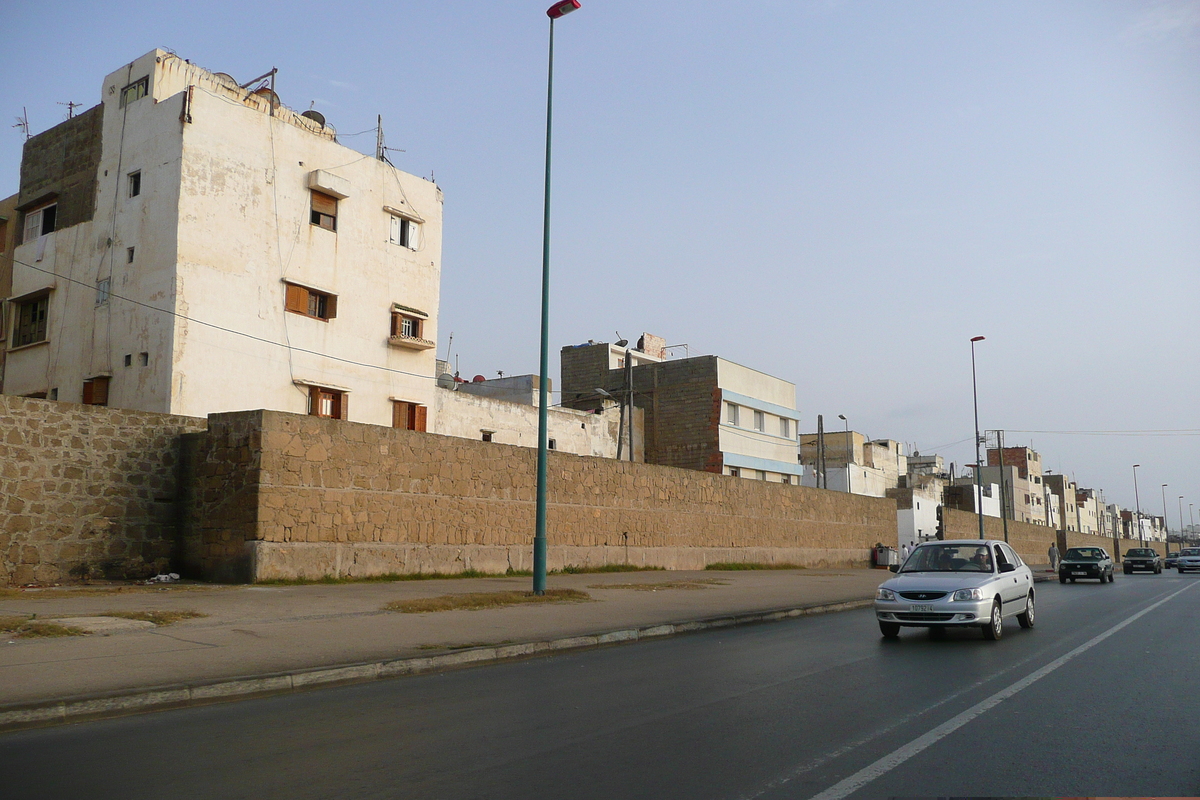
(31,628)
(474,601)
(702,583)
(157,617)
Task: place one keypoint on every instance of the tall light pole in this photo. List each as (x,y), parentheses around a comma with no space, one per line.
(1166,527)
(1191,520)
(1180,525)
(842,417)
(978,464)
(1138,503)
(555,11)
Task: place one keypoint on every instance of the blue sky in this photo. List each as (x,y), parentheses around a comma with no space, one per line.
(837,193)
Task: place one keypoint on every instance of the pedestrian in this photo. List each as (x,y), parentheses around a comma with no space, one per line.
(904,551)
(1053,553)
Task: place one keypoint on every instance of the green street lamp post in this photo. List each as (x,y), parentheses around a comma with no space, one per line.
(978,462)
(1138,504)
(555,11)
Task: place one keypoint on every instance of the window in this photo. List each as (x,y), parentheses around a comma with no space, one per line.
(551,444)
(135,183)
(410,416)
(128,255)
(487,435)
(310,302)
(406,326)
(762,475)
(731,415)
(786,479)
(95,392)
(129,359)
(734,472)
(40,222)
(329,403)
(324,211)
(30,325)
(144,359)
(405,233)
(135,91)
(102,287)
(760,421)
(785,427)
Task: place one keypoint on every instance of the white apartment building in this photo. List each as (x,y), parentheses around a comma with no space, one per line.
(191,246)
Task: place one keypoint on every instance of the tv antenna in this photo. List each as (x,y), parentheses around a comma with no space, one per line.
(71,106)
(23,122)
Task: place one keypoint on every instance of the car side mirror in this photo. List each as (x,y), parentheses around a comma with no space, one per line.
(1008,567)
(894,567)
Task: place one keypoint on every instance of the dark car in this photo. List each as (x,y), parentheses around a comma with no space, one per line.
(1172,560)
(1085,562)
(1142,558)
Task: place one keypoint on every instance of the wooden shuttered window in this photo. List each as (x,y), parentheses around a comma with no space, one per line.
(329,403)
(324,211)
(95,391)
(309,302)
(410,416)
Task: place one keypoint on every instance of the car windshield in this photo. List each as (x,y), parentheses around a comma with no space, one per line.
(1141,553)
(949,558)
(1083,554)
(1191,551)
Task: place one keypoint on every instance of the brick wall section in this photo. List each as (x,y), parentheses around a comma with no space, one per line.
(86,488)
(683,408)
(1030,541)
(64,160)
(582,369)
(348,499)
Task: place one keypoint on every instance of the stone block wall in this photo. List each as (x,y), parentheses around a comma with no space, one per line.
(86,490)
(63,161)
(1030,541)
(328,497)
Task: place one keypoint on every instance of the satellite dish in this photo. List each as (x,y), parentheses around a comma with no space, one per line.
(268,95)
(225,79)
(315,116)
(445,381)
(478,379)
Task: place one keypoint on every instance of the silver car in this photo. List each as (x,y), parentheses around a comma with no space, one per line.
(955,584)
(1189,559)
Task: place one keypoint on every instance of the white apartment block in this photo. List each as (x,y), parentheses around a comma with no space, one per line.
(193,247)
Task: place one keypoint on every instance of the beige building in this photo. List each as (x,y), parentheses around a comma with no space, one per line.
(853,463)
(192,246)
(8,240)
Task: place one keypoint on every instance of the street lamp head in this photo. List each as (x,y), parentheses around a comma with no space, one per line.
(977,338)
(1135,466)
(562,8)
(842,417)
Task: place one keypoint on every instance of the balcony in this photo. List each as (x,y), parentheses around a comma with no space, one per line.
(411,342)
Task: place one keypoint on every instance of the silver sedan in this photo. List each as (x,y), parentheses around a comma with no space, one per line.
(961,583)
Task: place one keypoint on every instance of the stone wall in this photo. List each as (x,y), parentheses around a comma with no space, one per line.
(327,497)
(1030,541)
(86,490)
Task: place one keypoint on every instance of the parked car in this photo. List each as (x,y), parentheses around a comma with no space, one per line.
(957,584)
(1172,560)
(1142,558)
(1085,562)
(1189,559)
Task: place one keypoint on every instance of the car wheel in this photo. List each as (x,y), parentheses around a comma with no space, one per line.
(1026,617)
(1112,576)
(1128,571)
(994,628)
(1061,579)
(890,630)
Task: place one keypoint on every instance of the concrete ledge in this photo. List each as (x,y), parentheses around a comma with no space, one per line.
(74,709)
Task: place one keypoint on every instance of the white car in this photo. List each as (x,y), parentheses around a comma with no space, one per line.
(1189,558)
(955,584)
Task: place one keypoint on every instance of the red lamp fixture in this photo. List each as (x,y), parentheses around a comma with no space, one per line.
(561,9)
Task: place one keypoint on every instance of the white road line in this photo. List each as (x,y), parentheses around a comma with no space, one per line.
(894,759)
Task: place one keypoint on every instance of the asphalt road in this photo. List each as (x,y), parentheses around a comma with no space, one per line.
(818,706)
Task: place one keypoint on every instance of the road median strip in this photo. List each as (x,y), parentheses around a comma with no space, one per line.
(16,716)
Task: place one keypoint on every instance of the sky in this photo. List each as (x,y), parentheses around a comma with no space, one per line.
(840,194)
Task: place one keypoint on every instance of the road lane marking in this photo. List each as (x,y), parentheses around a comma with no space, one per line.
(894,759)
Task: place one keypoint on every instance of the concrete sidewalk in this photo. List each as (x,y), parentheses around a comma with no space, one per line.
(257,632)
(255,640)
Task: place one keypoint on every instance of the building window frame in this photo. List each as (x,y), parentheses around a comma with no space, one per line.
(39,222)
(732,414)
(404,232)
(323,210)
(760,421)
(409,416)
(134,183)
(95,390)
(328,403)
(30,320)
(308,302)
(132,92)
(103,291)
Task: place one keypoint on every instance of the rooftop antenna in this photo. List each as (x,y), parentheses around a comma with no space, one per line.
(621,342)
(23,122)
(379,137)
(71,106)
(448,346)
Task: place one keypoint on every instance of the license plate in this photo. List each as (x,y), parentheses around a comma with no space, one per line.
(922,608)
(1079,573)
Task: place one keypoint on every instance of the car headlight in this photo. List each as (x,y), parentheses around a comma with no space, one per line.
(968,594)
(885,594)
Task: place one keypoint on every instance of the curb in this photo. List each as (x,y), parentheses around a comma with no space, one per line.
(18,716)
